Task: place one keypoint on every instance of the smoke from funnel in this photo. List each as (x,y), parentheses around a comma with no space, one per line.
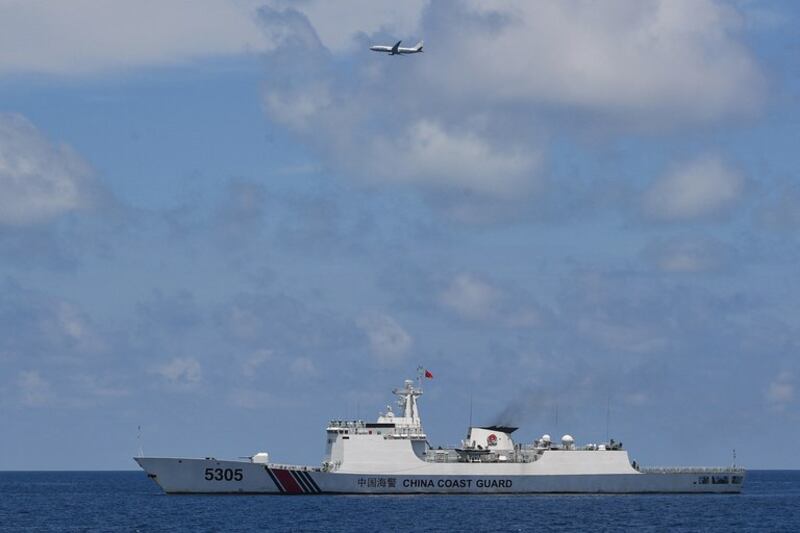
(528,407)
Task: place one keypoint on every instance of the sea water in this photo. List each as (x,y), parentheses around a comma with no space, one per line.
(128,501)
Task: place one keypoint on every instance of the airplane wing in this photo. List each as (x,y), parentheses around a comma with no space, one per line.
(396,46)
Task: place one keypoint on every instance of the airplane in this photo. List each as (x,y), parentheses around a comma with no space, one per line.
(396,50)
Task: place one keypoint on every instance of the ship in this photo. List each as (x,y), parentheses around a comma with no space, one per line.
(393,456)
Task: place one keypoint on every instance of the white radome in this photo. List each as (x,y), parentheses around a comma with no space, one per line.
(261,458)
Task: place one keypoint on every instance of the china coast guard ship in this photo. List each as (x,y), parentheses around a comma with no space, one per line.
(392,456)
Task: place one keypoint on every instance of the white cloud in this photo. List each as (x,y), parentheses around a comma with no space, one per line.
(339,23)
(87,36)
(636,399)
(700,188)
(643,61)
(633,337)
(430,156)
(38,179)
(265,362)
(469,122)
(473,298)
(781,391)
(470,297)
(675,60)
(184,372)
(251,367)
(387,339)
(254,399)
(422,152)
(687,254)
(244,323)
(671,60)
(71,322)
(94,386)
(303,367)
(84,36)
(298,109)
(34,390)
(68,323)
(526,317)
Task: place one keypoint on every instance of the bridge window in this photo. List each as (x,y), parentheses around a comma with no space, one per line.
(719,480)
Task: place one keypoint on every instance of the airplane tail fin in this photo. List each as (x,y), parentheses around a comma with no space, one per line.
(418,47)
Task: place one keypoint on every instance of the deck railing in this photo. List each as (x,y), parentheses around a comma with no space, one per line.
(691,470)
(303,468)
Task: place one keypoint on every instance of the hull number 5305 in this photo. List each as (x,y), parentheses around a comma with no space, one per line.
(223,474)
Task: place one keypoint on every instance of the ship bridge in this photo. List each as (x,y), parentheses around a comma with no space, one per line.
(407,424)
(393,437)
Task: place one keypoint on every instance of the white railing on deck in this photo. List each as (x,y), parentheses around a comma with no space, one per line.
(359,427)
(691,470)
(293,467)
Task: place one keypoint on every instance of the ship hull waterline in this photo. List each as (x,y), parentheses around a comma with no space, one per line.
(212,476)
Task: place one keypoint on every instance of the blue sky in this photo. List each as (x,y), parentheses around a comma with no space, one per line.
(228,222)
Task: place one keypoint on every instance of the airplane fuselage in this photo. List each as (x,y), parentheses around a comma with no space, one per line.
(397,49)
(393,52)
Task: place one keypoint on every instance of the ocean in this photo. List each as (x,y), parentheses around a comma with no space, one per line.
(128,501)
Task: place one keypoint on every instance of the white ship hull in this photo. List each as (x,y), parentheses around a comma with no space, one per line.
(210,476)
(393,456)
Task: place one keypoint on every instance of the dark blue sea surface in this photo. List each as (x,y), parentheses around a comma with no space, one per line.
(128,501)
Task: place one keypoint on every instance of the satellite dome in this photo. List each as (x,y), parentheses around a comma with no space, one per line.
(545,438)
(567,441)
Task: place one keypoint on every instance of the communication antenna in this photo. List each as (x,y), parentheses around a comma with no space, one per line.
(470,409)
(734,458)
(556,414)
(139,440)
(608,414)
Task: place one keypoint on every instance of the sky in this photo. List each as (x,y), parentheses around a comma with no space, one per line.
(224,223)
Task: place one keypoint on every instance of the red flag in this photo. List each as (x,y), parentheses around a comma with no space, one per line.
(428,374)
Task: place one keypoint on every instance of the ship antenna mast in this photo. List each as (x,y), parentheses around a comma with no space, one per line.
(139,440)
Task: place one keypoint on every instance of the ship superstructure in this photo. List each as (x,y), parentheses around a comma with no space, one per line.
(392,455)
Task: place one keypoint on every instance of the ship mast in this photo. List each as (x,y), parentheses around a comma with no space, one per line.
(407,401)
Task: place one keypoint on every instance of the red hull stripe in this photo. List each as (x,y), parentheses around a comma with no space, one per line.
(297,475)
(288,482)
(274,479)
